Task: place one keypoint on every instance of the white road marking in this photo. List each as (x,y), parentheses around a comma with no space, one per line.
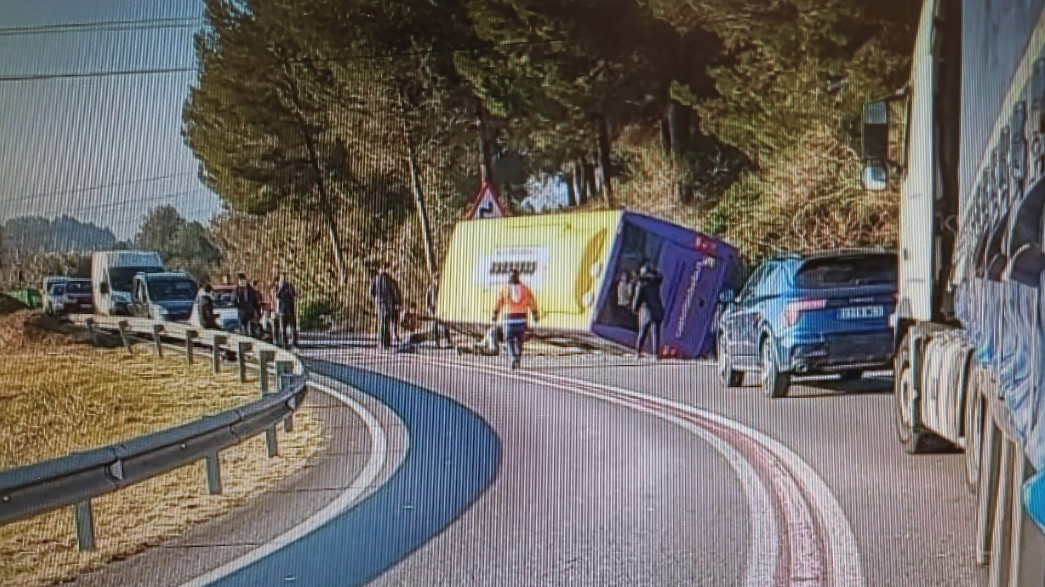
(360,488)
(797,485)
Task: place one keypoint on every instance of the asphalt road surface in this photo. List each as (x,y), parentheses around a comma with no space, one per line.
(597,470)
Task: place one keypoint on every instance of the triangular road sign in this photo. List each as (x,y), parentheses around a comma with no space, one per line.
(485,204)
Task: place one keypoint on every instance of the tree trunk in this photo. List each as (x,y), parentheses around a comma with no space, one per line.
(485,153)
(335,245)
(602,144)
(571,192)
(589,179)
(415,181)
(579,188)
(678,130)
(326,205)
(665,136)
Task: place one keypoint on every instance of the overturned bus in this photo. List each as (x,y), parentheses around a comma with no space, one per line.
(573,263)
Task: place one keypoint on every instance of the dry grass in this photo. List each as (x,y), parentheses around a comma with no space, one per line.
(60,396)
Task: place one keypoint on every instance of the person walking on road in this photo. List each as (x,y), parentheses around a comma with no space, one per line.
(647,303)
(439,330)
(517,302)
(384,291)
(285,298)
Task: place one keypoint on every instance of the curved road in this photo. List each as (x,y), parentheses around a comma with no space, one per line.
(615,473)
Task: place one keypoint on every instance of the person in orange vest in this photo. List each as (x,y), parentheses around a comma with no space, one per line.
(517,302)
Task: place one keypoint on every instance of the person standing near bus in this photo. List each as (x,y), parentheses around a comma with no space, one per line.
(647,303)
(384,291)
(518,303)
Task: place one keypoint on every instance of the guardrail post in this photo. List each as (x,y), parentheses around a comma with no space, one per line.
(189,335)
(241,355)
(157,330)
(283,370)
(213,466)
(84,521)
(216,345)
(123,325)
(265,357)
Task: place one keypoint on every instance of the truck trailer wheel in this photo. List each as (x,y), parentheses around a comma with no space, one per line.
(973,426)
(913,438)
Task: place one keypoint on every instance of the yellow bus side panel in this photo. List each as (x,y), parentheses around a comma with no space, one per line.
(561,257)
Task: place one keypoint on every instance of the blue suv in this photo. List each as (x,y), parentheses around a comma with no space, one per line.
(806,315)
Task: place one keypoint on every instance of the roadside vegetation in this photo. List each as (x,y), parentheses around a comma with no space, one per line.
(349,132)
(62,395)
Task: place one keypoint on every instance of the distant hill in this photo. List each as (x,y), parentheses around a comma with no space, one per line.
(59,235)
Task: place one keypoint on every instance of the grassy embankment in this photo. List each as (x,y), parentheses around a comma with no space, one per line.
(61,395)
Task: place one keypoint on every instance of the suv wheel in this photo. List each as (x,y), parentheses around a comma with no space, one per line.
(774,383)
(729,376)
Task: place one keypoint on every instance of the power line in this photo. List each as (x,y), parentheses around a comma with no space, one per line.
(336,59)
(102,26)
(135,181)
(89,74)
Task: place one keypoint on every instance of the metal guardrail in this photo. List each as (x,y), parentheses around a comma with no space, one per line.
(75,479)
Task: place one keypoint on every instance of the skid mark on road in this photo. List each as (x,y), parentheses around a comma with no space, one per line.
(799,534)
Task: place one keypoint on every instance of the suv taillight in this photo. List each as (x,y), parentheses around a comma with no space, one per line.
(794,309)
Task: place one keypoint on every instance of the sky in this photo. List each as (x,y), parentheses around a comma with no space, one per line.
(101,149)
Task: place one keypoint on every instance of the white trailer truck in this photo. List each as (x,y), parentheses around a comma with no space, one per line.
(970,320)
(112,278)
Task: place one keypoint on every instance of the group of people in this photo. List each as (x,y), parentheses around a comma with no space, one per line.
(393,314)
(261,311)
(515,303)
(641,294)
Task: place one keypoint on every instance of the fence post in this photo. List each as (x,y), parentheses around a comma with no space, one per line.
(123,325)
(217,343)
(189,335)
(284,369)
(241,355)
(265,357)
(84,525)
(157,330)
(213,466)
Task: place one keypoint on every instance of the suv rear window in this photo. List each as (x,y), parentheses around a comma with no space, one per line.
(847,272)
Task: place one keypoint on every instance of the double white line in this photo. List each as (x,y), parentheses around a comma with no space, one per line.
(798,531)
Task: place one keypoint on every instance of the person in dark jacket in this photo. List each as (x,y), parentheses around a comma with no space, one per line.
(245,305)
(208,318)
(384,291)
(647,303)
(285,297)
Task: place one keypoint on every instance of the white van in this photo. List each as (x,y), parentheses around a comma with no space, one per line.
(112,278)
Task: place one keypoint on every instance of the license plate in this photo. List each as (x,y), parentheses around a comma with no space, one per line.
(861,312)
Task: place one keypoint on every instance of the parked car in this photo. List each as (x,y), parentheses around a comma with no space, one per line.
(163,296)
(72,296)
(54,299)
(806,315)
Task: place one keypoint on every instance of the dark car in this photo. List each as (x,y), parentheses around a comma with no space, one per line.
(807,315)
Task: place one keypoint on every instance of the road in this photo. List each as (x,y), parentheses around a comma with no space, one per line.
(615,472)
(592,470)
